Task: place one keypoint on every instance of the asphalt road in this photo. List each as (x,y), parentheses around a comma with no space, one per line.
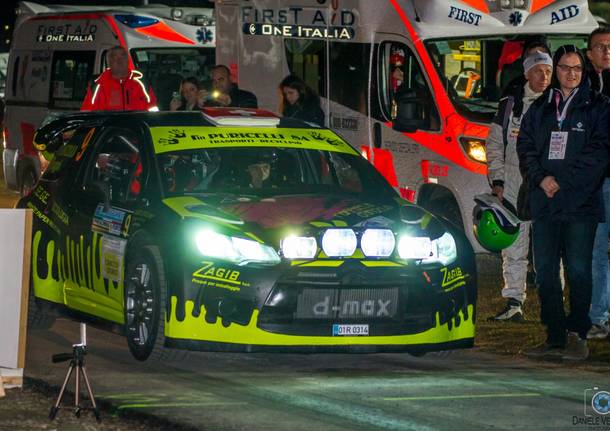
(223,391)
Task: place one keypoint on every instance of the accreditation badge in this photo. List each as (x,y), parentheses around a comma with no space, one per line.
(558,145)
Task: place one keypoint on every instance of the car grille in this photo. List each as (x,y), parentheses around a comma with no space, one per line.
(377,304)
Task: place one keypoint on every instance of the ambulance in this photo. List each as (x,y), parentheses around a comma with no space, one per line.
(57,50)
(449,61)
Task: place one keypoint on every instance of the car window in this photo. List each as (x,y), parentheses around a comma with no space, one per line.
(118,163)
(268,171)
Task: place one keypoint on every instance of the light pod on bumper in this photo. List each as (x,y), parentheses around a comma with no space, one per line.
(299,247)
(377,242)
(339,242)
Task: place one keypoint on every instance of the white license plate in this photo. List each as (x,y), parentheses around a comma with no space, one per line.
(346,330)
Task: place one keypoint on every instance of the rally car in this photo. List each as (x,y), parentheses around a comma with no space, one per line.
(237,230)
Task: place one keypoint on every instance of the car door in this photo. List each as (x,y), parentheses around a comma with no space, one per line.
(102,203)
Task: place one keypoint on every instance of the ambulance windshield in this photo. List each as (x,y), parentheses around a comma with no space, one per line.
(478,71)
(165,68)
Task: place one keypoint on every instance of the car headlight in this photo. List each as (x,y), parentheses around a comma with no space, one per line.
(299,247)
(378,242)
(415,247)
(339,242)
(442,250)
(240,251)
(446,250)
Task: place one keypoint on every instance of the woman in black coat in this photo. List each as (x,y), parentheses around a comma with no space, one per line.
(563,153)
(299,101)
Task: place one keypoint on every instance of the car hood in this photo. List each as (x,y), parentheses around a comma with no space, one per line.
(273,217)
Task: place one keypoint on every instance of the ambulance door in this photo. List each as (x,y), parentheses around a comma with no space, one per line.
(397,77)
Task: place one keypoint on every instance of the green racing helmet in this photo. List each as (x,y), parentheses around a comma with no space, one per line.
(495,224)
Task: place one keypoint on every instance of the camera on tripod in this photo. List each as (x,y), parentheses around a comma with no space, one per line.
(77,362)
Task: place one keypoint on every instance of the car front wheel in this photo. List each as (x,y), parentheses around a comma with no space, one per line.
(145,298)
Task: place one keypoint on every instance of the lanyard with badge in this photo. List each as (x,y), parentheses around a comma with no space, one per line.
(559,139)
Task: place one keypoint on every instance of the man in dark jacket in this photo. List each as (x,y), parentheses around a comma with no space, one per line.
(598,53)
(227,93)
(563,151)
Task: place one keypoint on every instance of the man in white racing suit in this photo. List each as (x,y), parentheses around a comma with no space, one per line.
(505,177)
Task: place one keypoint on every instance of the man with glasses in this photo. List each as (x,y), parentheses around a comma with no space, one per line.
(598,54)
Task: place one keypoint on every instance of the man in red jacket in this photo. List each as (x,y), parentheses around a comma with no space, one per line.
(118,88)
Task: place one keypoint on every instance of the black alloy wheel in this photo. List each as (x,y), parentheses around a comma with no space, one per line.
(145,296)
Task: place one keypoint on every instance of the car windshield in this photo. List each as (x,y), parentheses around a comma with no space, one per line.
(476,71)
(165,68)
(268,171)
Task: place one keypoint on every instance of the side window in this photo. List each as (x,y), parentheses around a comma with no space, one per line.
(400,79)
(14,76)
(307,60)
(70,77)
(349,71)
(119,164)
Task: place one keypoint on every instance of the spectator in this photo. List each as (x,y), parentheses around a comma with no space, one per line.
(598,53)
(191,96)
(505,177)
(511,75)
(118,88)
(563,151)
(299,101)
(227,93)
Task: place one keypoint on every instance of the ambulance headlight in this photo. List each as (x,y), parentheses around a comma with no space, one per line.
(339,242)
(377,242)
(475,149)
(299,247)
(237,250)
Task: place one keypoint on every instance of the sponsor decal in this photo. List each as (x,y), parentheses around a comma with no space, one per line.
(83,32)
(307,23)
(464,16)
(345,123)
(60,214)
(363,210)
(170,139)
(43,217)
(564,13)
(210,275)
(113,258)
(452,278)
(114,221)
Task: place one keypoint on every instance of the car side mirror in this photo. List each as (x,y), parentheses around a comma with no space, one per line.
(410,112)
(100,191)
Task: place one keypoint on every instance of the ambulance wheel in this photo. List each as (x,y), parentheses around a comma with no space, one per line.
(38,318)
(28,181)
(145,296)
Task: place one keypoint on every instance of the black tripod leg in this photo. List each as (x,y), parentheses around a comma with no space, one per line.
(96,411)
(77,407)
(55,408)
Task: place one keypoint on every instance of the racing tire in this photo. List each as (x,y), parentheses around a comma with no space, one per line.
(145,299)
(27,181)
(37,317)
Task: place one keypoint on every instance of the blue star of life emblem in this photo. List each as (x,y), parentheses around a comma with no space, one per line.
(204,35)
(515,18)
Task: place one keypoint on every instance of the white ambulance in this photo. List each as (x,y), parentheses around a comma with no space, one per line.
(453,57)
(57,50)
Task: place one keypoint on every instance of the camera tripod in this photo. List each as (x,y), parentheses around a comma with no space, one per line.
(77,361)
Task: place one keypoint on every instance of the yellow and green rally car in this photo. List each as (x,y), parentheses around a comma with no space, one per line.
(236,230)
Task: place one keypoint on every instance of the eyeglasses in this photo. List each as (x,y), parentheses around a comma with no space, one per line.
(566,68)
(601,47)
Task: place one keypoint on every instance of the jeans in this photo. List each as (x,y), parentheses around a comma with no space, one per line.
(600,298)
(576,238)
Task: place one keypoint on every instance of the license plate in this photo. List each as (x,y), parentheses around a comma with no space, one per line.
(350,330)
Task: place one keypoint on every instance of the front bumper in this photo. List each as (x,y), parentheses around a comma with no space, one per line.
(295,307)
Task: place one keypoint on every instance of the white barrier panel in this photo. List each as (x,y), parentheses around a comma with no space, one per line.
(15,252)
